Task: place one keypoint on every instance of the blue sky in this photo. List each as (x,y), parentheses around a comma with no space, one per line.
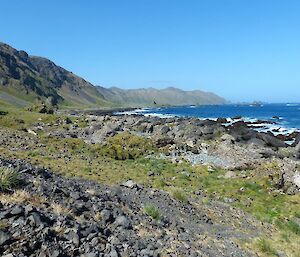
(243,50)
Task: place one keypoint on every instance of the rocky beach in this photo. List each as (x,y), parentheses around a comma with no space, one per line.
(100,184)
(150,128)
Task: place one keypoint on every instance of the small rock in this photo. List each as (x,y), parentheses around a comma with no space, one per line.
(130,184)
(30,131)
(4,238)
(106,216)
(185,173)
(35,219)
(113,252)
(123,222)
(230,174)
(151,173)
(17,210)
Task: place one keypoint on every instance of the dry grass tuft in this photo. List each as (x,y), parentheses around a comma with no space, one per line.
(21,196)
(60,209)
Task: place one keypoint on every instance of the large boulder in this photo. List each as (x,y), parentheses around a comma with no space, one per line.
(242,133)
(161,142)
(271,140)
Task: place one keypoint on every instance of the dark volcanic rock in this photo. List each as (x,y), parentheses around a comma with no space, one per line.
(270,140)
(161,142)
(4,238)
(110,222)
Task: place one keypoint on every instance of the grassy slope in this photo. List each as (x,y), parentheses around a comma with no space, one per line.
(90,161)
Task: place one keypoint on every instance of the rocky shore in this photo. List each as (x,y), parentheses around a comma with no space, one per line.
(49,214)
(235,146)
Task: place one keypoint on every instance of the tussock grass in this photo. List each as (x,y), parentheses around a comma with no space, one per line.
(266,248)
(293,226)
(152,211)
(21,196)
(9,178)
(59,209)
(179,195)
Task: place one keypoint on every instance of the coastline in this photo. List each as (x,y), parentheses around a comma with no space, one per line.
(271,125)
(148,170)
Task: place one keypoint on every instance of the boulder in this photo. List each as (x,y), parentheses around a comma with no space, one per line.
(296,179)
(222,120)
(123,222)
(161,142)
(230,174)
(270,140)
(297,140)
(4,238)
(164,130)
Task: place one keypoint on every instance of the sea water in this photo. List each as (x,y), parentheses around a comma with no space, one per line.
(286,117)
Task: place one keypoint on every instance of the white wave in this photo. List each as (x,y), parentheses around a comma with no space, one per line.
(159,115)
(136,111)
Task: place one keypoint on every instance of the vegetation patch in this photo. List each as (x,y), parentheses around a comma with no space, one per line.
(179,195)
(126,146)
(9,179)
(152,211)
(266,248)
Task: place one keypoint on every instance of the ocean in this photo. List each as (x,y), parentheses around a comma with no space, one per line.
(285,118)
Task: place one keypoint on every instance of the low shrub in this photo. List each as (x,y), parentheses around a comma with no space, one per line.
(126,146)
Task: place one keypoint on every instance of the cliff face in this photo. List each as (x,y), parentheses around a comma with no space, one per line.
(151,97)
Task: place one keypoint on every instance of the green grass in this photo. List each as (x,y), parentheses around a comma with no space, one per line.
(266,248)
(18,118)
(152,211)
(179,195)
(8,178)
(293,226)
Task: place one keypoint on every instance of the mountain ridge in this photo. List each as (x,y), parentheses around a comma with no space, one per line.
(152,96)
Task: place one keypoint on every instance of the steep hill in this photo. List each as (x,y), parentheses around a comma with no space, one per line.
(24,78)
(151,97)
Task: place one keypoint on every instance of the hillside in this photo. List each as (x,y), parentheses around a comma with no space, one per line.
(151,97)
(25,78)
